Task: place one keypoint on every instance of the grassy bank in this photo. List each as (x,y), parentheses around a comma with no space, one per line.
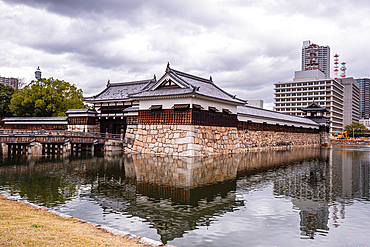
(22,225)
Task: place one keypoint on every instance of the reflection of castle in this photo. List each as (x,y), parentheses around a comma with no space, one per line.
(173,195)
(178,194)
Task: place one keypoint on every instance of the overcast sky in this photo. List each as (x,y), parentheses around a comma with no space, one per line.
(245,45)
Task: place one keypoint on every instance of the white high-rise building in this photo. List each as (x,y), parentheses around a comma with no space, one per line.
(307,87)
(317,55)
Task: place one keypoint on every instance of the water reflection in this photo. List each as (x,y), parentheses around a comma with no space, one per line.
(176,196)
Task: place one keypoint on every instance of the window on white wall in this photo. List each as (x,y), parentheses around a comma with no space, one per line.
(226,111)
(212,109)
(156,108)
(181,107)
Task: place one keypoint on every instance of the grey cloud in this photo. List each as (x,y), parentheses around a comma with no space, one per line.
(80,8)
(130,39)
(130,10)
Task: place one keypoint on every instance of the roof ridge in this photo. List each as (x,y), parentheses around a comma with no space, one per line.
(181,80)
(145,88)
(192,76)
(130,82)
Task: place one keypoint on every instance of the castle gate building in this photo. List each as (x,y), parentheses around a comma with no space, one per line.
(186,115)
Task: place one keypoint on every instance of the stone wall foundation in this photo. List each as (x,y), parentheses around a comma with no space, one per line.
(197,140)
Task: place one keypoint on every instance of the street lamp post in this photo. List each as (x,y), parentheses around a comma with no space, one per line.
(353,132)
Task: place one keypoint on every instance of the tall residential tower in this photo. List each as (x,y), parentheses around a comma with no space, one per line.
(316,57)
(364,84)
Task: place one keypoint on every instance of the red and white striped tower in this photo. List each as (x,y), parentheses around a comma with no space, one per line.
(313,63)
(336,65)
(343,69)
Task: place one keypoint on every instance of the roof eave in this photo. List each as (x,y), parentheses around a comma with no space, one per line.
(192,94)
(107,100)
(251,115)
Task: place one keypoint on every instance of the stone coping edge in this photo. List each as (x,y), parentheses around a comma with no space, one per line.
(115,232)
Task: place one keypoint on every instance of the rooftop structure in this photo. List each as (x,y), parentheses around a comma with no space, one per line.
(255,102)
(343,69)
(38,73)
(336,66)
(316,113)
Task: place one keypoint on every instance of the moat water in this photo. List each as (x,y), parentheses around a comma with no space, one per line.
(301,197)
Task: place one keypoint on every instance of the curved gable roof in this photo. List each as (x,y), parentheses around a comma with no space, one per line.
(189,84)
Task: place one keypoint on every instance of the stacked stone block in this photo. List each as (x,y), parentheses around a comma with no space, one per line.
(197,140)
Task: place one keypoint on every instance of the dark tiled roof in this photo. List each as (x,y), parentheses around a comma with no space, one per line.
(141,89)
(314,107)
(321,120)
(258,112)
(34,119)
(191,84)
(131,109)
(122,90)
(76,111)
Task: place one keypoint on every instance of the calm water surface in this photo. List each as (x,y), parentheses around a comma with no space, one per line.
(302,197)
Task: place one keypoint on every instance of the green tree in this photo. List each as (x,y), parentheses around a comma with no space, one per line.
(46,98)
(357,129)
(6,93)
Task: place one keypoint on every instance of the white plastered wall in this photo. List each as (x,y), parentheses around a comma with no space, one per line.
(168,103)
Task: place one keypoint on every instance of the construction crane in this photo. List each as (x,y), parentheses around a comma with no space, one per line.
(342,135)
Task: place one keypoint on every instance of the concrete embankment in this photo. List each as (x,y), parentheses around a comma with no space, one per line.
(350,141)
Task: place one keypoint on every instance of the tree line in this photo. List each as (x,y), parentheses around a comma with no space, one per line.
(357,130)
(41,98)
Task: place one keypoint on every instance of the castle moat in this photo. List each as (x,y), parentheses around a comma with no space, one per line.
(297,197)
